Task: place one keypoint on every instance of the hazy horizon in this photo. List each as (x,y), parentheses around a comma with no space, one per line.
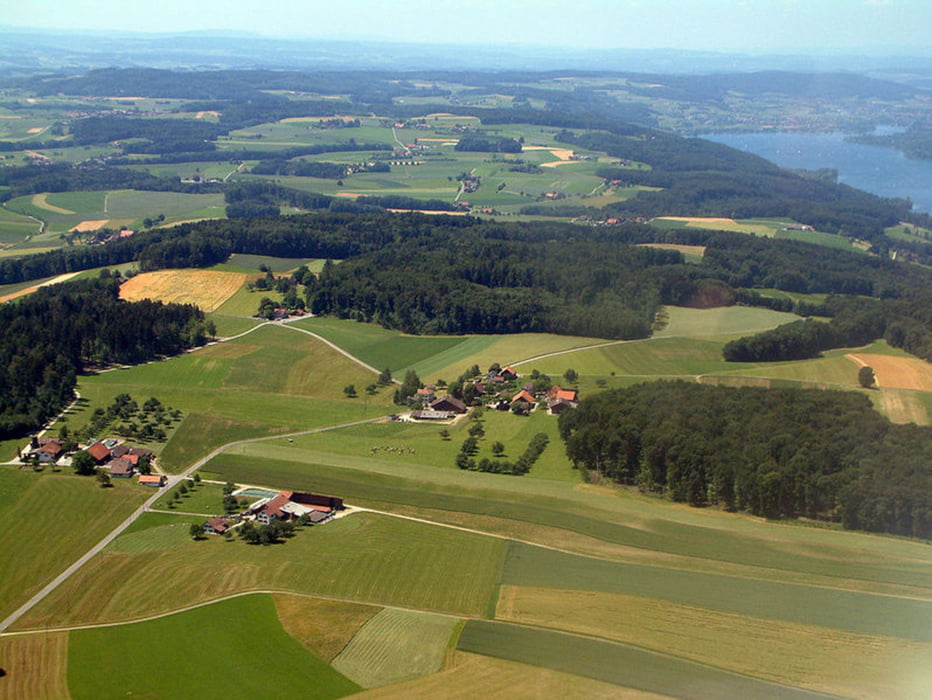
(858,27)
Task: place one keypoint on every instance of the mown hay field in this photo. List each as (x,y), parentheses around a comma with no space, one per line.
(822,659)
(363,558)
(615,663)
(896,372)
(848,611)
(35,666)
(185,655)
(324,627)
(36,547)
(471,676)
(206,289)
(643,528)
(396,645)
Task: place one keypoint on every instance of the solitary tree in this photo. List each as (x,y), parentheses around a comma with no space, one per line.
(83,463)
(866,376)
(444,434)
(196,530)
(498,449)
(571,376)
(385,378)
(350,391)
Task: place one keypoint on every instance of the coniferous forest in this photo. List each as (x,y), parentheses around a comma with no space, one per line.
(770,452)
(56,333)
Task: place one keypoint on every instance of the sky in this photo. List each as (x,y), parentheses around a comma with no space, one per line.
(756,26)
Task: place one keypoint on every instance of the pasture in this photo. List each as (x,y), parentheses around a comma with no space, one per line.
(396,645)
(35,549)
(206,289)
(191,663)
(364,558)
(271,381)
(614,524)
(65,211)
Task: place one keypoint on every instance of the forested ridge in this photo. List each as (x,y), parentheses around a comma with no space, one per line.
(771,452)
(445,274)
(52,335)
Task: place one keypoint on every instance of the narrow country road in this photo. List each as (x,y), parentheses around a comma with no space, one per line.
(172,481)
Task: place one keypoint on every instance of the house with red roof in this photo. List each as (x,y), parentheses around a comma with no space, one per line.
(99,451)
(523,395)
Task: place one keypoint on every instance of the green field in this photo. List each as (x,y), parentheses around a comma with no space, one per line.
(901,617)
(365,558)
(191,654)
(272,380)
(394,646)
(616,663)
(35,549)
(642,528)
(241,262)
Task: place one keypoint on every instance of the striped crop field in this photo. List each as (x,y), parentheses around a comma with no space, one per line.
(616,663)
(818,658)
(394,646)
(364,558)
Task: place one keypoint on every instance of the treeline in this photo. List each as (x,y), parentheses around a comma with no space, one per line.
(158,135)
(52,335)
(488,145)
(65,177)
(304,168)
(904,323)
(776,453)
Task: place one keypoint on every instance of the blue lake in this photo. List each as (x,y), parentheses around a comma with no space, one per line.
(882,171)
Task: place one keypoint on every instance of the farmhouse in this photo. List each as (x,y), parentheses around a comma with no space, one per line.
(290,505)
(217,525)
(523,395)
(99,451)
(46,450)
(559,406)
(450,404)
(121,468)
(556,392)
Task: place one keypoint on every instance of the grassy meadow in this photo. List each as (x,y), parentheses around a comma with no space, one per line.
(35,549)
(190,655)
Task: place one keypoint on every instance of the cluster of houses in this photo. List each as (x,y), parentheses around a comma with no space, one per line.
(494,390)
(283,506)
(122,461)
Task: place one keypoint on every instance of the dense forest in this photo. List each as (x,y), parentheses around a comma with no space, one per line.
(54,334)
(445,274)
(771,452)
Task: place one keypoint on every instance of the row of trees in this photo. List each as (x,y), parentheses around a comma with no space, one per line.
(773,453)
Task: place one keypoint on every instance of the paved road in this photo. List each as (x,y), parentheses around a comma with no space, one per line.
(172,481)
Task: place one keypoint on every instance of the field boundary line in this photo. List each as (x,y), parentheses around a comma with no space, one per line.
(231,596)
(335,347)
(560,550)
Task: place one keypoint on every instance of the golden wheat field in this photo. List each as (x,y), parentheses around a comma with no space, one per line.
(207,289)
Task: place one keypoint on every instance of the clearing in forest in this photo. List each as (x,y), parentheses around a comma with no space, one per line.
(207,289)
(896,372)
